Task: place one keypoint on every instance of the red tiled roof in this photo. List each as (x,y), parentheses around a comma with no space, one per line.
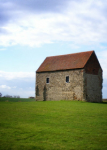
(65,62)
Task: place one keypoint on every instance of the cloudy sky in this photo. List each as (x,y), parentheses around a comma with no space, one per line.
(31,30)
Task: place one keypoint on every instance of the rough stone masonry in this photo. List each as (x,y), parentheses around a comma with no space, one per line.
(70,77)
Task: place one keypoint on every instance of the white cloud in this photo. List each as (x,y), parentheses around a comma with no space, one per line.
(16,75)
(5,87)
(80,22)
(17,83)
(23,93)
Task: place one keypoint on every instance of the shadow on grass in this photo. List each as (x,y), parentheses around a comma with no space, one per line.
(104,102)
(100,102)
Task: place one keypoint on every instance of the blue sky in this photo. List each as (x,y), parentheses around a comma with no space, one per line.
(31,30)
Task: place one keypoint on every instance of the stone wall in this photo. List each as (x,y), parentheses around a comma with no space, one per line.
(93,87)
(57,88)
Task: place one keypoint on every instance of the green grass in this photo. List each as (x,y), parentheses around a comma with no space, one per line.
(53,125)
(5,99)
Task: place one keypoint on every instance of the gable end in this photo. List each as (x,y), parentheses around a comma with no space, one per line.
(92,66)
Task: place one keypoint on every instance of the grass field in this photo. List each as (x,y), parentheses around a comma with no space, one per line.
(53,125)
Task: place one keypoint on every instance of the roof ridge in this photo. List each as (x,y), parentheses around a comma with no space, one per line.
(65,62)
(70,54)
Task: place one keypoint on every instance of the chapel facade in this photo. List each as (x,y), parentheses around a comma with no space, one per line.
(75,76)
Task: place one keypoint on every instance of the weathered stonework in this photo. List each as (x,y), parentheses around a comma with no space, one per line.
(81,86)
(93,87)
(85,81)
(57,88)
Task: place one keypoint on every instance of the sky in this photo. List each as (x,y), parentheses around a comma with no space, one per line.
(31,30)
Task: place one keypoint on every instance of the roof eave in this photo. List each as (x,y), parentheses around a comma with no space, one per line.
(59,70)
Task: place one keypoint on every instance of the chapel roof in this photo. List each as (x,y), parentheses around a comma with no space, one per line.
(65,62)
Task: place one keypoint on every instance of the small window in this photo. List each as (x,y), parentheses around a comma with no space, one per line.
(47,80)
(67,79)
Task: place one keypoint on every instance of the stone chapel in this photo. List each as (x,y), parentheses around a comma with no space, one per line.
(76,76)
